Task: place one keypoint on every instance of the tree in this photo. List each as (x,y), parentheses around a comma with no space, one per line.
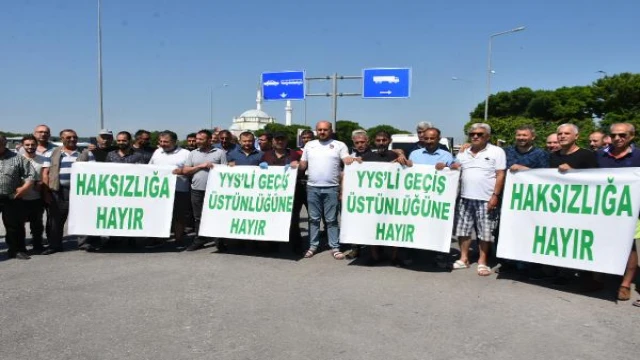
(371,132)
(291,131)
(344,128)
(617,99)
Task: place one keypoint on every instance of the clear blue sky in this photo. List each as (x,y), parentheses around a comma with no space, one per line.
(162,56)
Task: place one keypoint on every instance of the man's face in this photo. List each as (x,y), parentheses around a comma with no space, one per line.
(166,143)
(264,142)
(430,139)
(360,143)
(280,143)
(421,134)
(214,138)
(191,142)
(123,142)
(524,138)
(225,139)
(306,138)
(144,139)
(247,143)
(104,140)
(478,137)
(202,141)
(621,136)
(69,139)
(567,136)
(324,131)
(552,143)
(596,141)
(30,146)
(42,133)
(382,142)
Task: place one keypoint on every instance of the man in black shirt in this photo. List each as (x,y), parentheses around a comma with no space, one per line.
(104,145)
(142,145)
(571,156)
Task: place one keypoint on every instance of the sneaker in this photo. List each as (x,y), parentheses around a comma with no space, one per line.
(22,256)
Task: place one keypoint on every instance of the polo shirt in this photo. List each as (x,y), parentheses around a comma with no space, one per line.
(66,161)
(324,159)
(378,156)
(240,158)
(422,156)
(197,157)
(606,160)
(271,158)
(176,158)
(478,176)
(535,158)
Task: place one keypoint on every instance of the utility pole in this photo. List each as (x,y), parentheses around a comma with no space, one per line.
(100,108)
(334,94)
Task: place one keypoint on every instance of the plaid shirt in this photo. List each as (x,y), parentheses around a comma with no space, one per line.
(14,170)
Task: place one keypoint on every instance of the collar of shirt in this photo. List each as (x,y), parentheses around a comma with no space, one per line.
(175,150)
(607,152)
(435,152)
(211,149)
(356,153)
(75,153)
(515,148)
(241,151)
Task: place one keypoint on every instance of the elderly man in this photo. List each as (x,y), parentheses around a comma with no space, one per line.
(323,158)
(197,166)
(552,143)
(57,179)
(169,153)
(597,140)
(16,179)
(482,179)
(104,145)
(42,134)
(622,153)
(570,155)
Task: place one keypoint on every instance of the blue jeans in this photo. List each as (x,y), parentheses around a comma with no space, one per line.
(323,201)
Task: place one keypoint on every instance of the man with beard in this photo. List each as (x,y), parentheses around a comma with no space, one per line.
(265,142)
(142,145)
(246,154)
(42,134)
(104,145)
(57,179)
(191,142)
(226,141)
(32,200)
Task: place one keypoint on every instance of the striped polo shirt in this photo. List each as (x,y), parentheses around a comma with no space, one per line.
(66,160)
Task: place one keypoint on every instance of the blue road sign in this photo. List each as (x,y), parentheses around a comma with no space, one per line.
(386,83)
(286,85)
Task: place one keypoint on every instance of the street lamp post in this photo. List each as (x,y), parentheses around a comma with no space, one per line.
(100,106)
(486,102)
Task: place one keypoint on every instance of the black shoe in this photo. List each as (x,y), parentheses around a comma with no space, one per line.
(37,249)
(222,247)
(50,251)
(196,245)
(22,256)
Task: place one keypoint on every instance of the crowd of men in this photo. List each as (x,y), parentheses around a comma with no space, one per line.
(37,179)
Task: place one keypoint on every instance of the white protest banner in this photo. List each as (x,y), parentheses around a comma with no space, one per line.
(247,202)
(384,204)
(121,199)
(582,219)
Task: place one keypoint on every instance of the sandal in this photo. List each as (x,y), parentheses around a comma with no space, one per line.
(337,255)
(624,293)
(459,264)
(309,253)
(484,270)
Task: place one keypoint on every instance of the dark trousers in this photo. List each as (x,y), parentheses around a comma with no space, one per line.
(197,202)
(300,199)
(34,210)
(59,211)
(13,220)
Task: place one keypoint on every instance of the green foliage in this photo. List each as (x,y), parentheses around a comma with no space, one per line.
(291,131)
(371,132)
(343,131)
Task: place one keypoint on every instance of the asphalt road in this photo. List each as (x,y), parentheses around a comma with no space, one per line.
(163,304)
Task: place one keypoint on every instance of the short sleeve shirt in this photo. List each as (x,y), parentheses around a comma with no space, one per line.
(130,157)
(197,157)
(271,158)
(378,156)
(423,156)
(176,157)
(324,162)
(478,177)
(535,158)
(37,163)
(66,161)
(240,158)
(579,159)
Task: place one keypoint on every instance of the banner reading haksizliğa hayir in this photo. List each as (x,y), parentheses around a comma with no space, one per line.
(583,219)
(247,202)
(121,199)
(386,204)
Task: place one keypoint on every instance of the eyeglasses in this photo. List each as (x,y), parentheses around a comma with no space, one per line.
(621,135)
(478,134)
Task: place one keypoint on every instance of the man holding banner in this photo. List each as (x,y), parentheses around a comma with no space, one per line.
(621,153)
(483,172)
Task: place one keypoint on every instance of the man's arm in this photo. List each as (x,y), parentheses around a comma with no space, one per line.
(497,190)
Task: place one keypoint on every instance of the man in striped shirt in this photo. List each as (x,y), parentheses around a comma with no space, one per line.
(57,178)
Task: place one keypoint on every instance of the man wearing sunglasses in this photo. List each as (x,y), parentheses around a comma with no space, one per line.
(482,179)
(622,153)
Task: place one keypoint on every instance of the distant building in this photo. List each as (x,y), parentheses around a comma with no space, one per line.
(252,120)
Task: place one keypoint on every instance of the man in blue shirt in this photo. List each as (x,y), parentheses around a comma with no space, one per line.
(246,154)
(524,155)
(432,153)
(622,153)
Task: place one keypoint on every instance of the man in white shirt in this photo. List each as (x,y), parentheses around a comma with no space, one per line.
(169,153)
(323,159)
(32,200)
(482,179)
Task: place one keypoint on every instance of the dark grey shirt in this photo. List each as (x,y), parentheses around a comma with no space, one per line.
(14,171)
(197,157)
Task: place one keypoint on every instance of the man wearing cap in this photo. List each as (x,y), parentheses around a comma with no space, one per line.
(104,145)
(281,155)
